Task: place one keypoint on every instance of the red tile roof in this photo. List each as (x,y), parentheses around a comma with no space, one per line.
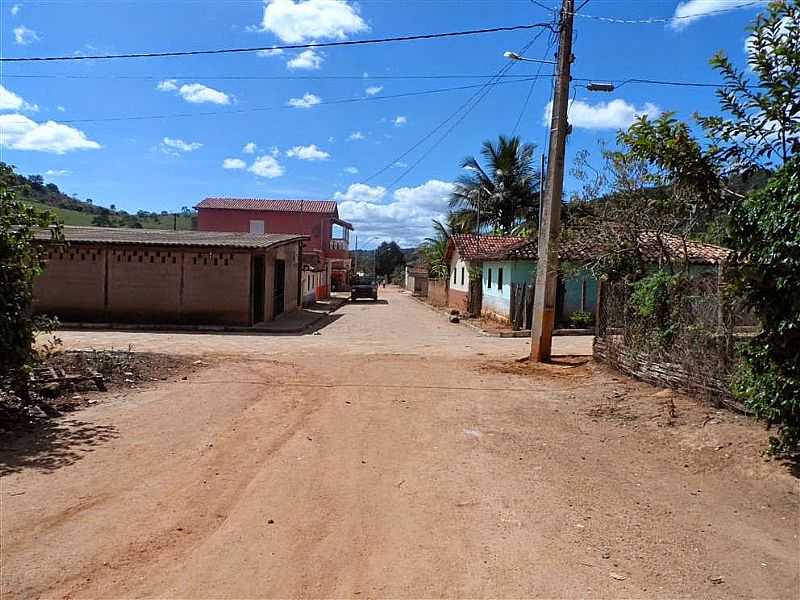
(471,246)
(306,206)
(579,248)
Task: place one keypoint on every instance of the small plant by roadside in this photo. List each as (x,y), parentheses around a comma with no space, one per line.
(581,319)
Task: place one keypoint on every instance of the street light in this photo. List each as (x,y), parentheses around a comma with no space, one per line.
(514,56)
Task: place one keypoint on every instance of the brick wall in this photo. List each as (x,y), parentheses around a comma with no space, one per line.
(144,285)
(158,285)
(73,283)
(216,287)
(437,292)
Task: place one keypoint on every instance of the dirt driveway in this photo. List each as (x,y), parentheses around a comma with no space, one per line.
(394,455)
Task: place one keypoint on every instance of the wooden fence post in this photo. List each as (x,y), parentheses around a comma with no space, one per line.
(600,322)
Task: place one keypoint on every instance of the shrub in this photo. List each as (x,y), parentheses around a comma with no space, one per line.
(581,319)
(20,264)
(764,231)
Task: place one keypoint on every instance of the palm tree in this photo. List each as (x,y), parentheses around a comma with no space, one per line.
(432,250)
(506,190)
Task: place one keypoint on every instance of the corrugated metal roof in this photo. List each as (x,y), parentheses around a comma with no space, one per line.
(272,205)
(162,237)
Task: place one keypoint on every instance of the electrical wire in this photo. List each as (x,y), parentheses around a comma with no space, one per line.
(404,38)
(502,71)
(468,107)
(287,106)
(255,77)
(532,87)
(654,20)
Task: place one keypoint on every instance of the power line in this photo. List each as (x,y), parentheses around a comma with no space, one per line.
(532,87)
(404,38)
(653,20)
(504,69)
(471,103)
(286,106)
(256,77)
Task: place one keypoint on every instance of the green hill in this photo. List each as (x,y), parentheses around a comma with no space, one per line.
(72,211)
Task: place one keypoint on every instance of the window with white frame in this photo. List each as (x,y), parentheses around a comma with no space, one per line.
(257,226)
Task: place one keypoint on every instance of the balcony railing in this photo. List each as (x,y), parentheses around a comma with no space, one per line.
(339,245)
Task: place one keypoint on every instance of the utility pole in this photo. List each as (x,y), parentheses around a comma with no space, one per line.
(544,304)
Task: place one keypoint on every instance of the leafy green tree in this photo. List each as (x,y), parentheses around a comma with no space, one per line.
(766,274)
(388,256)
(20,263)
(505,191)
(761,127)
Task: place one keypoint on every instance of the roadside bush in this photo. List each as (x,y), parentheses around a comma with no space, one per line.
(764,231)
(652,305)
(581,319)
(20,264)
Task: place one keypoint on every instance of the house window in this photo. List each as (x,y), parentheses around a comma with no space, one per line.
(454,276)
(462,275)
(256,226)
(500,279)
(489,280)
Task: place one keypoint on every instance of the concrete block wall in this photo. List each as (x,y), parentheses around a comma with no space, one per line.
(144,285)
(158,285)
(216,287)
(72,284)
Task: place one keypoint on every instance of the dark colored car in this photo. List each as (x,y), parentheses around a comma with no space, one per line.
(364,287)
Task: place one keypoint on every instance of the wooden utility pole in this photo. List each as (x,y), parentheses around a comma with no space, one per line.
(544,302)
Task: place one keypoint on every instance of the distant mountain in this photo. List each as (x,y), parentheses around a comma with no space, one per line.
(73,211)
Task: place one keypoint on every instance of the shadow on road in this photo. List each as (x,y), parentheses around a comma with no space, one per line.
(52,445)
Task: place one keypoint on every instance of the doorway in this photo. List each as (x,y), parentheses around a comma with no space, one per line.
(257,289)
(278,287)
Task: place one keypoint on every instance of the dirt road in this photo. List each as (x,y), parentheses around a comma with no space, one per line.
(394,455)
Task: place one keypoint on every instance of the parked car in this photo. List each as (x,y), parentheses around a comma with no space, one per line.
(364,287)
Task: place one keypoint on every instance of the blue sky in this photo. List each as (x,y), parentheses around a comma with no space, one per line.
(270,132)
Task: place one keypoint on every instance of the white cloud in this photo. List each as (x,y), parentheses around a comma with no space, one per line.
(266,166)
(307,101)
(307,59)
(693,10)
(250,148)
(24,36)
(308,153)
(10,101)
(270,52)
(18,132)
(361,192)
(196,93)
(60,108)
(233,163)
(374,89)
(399,121)
(617,114)
(168,85)
(296,22)
(176,145)
(57,172)
(400,165)
(351,170)
(15,9)
(404,216)
(356,135)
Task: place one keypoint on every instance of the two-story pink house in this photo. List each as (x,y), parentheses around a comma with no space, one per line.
(328,246)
